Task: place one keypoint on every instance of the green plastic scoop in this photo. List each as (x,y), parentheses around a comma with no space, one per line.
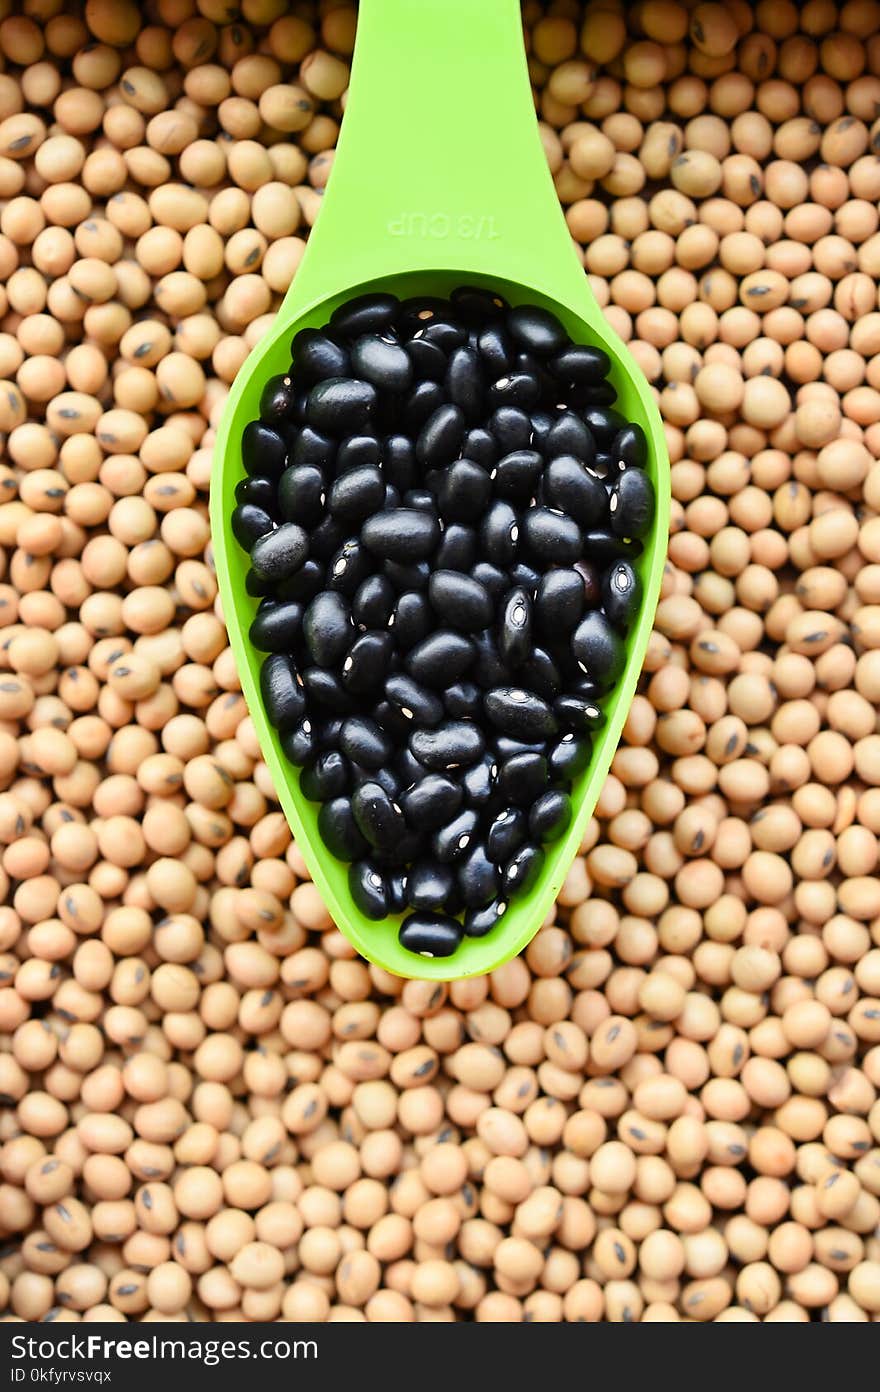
(440,180)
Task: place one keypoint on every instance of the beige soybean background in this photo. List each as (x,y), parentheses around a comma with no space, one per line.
(667,1108)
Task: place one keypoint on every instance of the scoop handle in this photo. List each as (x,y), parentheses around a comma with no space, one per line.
(439,164)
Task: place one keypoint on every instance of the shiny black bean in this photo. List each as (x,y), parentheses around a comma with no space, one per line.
(377,817)
(444,331)
(417,311)
(414,702)
(383,362)
(302,494)
(505,746)
(479,922)
(602,548)
(568,486)
(569,757)
(329,727)
(519,714)
(404,534)
(462,699)
(492,578)
(407,577)
(326,776)
(591,582)
(431,934)
(507,832)
(429,884)
(457,549)
(256,585)
(279,553)
(526,576)
(521,389)
(357,494)
(411,620)
(603,423)
(439,439)
(341,405)
(621,595)
(488,668)
(276,625)
(365,314)
(278,400)
(326,692)
(262,492)
(522,778)
(385,777)
(282,691)
(395,881)
(356,452)
(511,427)
(441,658)
(368,887)
(516,476)
(389,719)
(598,648)
(477,306)
(327,628)
(453,745)
(569,435)
(464,382)
(499,533)
(550,537)
(315,356)
(326,538)
(550,816)
(367,662)
(580,363)
(301,743)
(460,601)
(431,802)
(578,713)
(480,446)
(263,450)
(373,602)
(451,841)
(542,424)
(362,741)
(479,782)
(338,830)
(541,674)
(422,499)
(312,447)
(495,348)
(305,584)
(515,627)
(522,871)
(478,879)
(249,523)
(464,492)
(428,360)
(419,404)
(399,461)
(536,329)
(631,505)
(630,447)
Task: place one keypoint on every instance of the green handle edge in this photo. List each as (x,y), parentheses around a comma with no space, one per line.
(404,47)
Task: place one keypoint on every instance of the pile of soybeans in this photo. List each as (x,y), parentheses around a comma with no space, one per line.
(667,1108)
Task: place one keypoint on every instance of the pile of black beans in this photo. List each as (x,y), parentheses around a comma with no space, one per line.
(442,508)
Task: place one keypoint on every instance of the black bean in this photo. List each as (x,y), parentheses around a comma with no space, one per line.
(522,871)
(389,719)
(431,934)
(385,777)
(477,306)
(282,691)
(568,486)
(348,567)
(326,776)
(278,400)
(439,439)
(462,698)
(261,491)
(429,884)
(411,620)
(492,578)
(578,714)
(542,423)
(301,743)
(312,447)
(414,576)
(373,603)
(428,360)
(505,746)
(395,881)
(603,548)
(499,532)
(507,832)
(480,446)
(536,329)
(455,744)
(326,539)
(630,447)
(478,879)
(519,713)
(368,887)
(315,356)
(263,450)
(451,841)
(383,362)
(326,692)
(249,523)
(522,778)
(591,582)
(464,492)
(525,575)
(419,404)
(378,819)
(460,601)
(357,451)
(305,584)
(511,427)
(357,494)
(550,816)
(338,830)
(464,382)
(479,922)
(599,649)
(631,505)
(515,389)
(603,423)
(340,405)
(276,626)
(550,537)
(479,782)
(255,584)
(569,435)
(302,494)
(441,658)
(516,476)
(279,553)
(444,331)
(495,348)
(540,674)
(515,628)
(569,757)
(363,742)
(580,363)
(367,662)
(399,461)
(621,595)
(457,549)
(414,702)
(365,314)
(431,802)
(404,534)
(327,628)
